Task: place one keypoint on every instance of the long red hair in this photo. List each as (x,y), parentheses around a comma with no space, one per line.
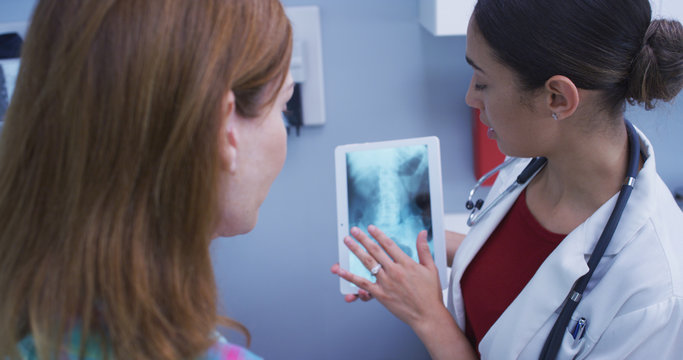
(109,164)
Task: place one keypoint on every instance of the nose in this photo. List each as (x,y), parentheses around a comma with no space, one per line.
(470,97)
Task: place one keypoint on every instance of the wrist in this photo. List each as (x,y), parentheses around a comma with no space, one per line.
(434,322)
(442,337)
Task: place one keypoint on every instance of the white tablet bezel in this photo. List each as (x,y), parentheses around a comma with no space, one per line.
(436,201)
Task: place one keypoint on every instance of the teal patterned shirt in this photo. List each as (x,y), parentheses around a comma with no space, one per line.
(221,350)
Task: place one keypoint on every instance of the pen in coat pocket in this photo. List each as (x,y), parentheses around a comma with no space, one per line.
(579,328)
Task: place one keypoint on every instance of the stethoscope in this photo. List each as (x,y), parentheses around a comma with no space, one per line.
(554,339)
(477,213)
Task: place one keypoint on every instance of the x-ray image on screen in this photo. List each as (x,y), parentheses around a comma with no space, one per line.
(389,188)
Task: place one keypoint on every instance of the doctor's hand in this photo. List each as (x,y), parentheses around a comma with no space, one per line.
(349,298)
(410,290)
(453,241)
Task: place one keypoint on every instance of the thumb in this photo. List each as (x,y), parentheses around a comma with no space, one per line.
(423,252)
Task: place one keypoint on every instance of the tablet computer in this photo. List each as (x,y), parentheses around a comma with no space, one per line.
(396,186)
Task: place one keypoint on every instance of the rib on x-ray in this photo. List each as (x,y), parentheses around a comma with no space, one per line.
(389,188)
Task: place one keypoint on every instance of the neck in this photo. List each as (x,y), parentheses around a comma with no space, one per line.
(583,172)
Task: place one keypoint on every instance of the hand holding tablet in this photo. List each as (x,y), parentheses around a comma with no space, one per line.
(395,186)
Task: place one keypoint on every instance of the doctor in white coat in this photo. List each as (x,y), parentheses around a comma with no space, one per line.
(551,78)
(634,303)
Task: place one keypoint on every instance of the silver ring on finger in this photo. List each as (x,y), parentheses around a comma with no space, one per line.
(375,269)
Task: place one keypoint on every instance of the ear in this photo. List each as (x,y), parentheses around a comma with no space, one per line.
(563,96)
(228,141)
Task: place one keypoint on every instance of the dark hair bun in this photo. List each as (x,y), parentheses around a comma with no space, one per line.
(657,72)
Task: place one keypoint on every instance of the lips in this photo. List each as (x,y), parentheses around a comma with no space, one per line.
(489,132)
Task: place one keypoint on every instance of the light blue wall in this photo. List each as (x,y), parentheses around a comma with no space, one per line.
(385,78)
(664,127)
(15,10)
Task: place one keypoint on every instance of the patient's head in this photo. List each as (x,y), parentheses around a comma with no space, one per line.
(137,131)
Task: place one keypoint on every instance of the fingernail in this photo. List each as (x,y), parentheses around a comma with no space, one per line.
(354,230)
(341,272)
(371,228)
(347,240)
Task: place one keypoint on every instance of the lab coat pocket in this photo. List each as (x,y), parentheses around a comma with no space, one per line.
(573,341)
(577,328)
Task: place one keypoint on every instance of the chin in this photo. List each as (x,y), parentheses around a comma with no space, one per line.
(238,226)
(248,228)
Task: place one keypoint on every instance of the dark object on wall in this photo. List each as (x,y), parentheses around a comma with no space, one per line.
(4,98)
(295,113)
(10,46)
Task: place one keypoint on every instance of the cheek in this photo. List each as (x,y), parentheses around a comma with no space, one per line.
(282,145)
(499,110)
(277,142)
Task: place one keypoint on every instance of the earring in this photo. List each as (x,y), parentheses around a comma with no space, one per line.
(555,117)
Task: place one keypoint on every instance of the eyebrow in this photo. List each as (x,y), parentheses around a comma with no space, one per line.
(472,64)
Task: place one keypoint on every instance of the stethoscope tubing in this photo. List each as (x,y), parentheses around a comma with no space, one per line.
(554,339)
(486,176)
(477,212)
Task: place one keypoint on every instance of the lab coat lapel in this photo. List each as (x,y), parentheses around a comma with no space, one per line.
(475,239)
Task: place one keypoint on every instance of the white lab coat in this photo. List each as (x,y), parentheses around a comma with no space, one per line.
(634,301)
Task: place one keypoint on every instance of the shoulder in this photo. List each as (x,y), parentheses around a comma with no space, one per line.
(648,241)
(635,300)
(646,266)
(223,350)
(659,239)
(657,248)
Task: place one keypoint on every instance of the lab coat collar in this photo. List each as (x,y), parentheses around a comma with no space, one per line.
(637,209)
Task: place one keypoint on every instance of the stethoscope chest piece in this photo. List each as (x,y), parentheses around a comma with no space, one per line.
(477,212)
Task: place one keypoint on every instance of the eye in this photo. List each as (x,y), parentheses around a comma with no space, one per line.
(479,87)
